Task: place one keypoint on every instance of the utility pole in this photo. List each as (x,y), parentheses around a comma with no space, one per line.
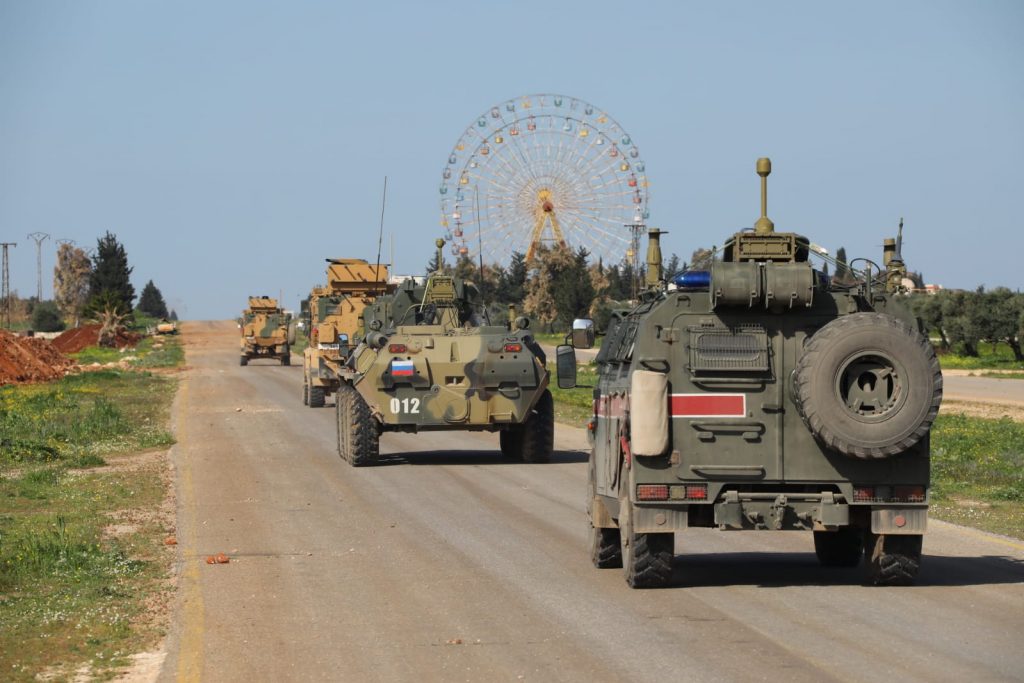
(633,253)
(6,291)
(39,237)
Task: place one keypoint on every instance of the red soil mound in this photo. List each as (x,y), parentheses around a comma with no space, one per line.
(77,339)
(26,359)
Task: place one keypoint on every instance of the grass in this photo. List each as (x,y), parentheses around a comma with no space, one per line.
(72,592)
(1002,375)
(150,352)
(978,473)
(990,357)
(554,339)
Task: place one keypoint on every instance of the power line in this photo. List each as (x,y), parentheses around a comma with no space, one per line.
(39,237)
(5,292)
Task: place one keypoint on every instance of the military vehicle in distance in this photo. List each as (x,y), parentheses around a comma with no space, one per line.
(762,395)
(334,323)
(431,361)
(267,331)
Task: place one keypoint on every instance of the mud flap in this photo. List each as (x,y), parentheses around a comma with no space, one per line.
(899,521)
(658,520)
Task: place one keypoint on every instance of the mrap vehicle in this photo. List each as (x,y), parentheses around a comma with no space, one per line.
(761,395)
(267,331)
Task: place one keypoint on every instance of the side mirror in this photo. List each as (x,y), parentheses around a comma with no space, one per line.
(565,366)
(582,333)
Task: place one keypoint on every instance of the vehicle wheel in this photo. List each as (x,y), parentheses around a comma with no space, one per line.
(286,360)
(605,544)
(511,440)
(243,361)
(538,432)
(340,420)
(868,386)
(646,558)
(316,396)
(305,393)
(892,560)
(840,548)
(359,441)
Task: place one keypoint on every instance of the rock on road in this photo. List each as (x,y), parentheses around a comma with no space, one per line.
(451,563)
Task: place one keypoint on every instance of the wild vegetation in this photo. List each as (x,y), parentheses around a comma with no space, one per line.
(81,530)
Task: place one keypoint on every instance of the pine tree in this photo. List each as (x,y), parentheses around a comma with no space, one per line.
(111,274)
(173,317)
(151,301)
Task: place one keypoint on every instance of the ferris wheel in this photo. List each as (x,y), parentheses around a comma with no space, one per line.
(544,170)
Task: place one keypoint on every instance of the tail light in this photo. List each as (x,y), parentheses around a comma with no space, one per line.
(908,494)
(696,491)
(863,494)
(397,348)
(513,348)
(652,492)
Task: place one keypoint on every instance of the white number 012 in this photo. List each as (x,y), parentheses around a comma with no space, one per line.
(405,405)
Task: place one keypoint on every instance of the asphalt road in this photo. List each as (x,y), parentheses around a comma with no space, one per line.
(450,563)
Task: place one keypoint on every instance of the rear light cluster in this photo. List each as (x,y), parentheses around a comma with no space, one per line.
(397,348)
(889,494)
(513,348)
(672,492)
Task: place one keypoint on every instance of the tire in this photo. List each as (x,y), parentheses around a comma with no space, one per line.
(646,558)
(316,396)
(868,386)
(286,360)
(605,544)
(305,393)
(243,361)
(892,560)
(538,432)
(511,440)
(358,434)
(340,413)
(840,548)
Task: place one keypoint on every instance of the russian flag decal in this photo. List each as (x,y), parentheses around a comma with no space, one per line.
(709,405)
(402,368)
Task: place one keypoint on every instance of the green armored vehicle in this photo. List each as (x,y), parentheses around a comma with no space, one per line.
(762,395)
(430,361)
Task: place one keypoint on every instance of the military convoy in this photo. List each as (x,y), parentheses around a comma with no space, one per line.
(333,321)
(761,395)
(267,331)
(431,360)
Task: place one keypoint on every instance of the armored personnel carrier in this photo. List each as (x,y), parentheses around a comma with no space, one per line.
(334,323)
(761,395)
(430,360)
(267,331)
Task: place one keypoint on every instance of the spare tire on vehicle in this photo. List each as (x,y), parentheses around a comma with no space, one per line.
(868,385)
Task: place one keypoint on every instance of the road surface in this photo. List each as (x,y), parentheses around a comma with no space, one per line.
(449,563)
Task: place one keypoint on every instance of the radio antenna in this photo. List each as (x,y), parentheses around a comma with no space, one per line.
(380,236)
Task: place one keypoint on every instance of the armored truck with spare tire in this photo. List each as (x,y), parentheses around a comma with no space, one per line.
(431,360)
(762,395)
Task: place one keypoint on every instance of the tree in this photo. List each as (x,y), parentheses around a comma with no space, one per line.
(573,288)
(962,318)
(151,301)
(46,317)
(843,274)
(1003,309)
(674,267)
(928,308)
(701,259)
(173,317)
(111,274)
(512,284)
(108,313)
(71,278)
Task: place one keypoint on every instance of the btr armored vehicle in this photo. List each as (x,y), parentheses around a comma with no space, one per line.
(430,360)
(334,323)
(267,331)
(762,395)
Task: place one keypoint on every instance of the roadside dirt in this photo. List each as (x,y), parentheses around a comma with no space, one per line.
(28,359)
(74,340)
(991,411)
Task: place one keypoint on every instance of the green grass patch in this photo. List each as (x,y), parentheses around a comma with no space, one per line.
(1000,375)
(558,338)
(164,351)
(990,357)
(82,418)
(72,592)
(978,473)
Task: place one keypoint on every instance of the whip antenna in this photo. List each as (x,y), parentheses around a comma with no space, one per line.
(380,235)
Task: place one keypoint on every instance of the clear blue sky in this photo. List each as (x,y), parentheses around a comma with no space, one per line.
(232,146)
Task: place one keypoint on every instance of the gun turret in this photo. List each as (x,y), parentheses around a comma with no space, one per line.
(892,259)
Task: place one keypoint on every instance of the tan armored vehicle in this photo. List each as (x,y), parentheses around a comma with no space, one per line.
(334,323)
(267,331)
